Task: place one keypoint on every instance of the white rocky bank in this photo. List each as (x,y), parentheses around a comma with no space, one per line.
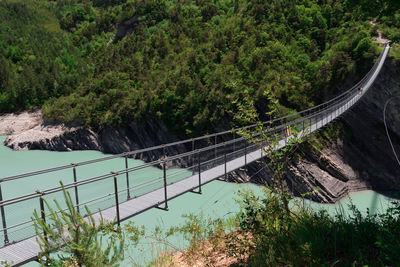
(28,127)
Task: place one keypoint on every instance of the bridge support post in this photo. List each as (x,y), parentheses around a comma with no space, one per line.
(43,216)
(127,178)
(3,220)
(234,141)
(199,167)
(199,176)
(245,154)
(193,156)
(42,213)
(116,198)
(164,164)
(215,150)
(165,185)
(226,177)
(284,134)
(75,188)
(261,143)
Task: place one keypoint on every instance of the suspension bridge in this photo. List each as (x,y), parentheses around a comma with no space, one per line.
(124,194)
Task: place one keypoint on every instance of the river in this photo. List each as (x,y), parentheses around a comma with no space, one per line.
(217,199)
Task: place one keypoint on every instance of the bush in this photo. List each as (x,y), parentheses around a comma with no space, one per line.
(307,238)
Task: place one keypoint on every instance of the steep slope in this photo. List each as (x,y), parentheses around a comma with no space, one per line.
(359,156)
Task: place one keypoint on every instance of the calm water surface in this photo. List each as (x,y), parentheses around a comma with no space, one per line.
(217,199)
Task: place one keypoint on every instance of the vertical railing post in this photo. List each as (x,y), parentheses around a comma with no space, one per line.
(234,141)
(285,132)
(199,168)
(116,198)
(127,178)
(261,142)
(226,178)
(215,149)
(245,153)
(42,213)
(3,219)
(193,156)
(76,187)
(165,184)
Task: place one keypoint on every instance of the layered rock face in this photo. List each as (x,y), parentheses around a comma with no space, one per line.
(361,159)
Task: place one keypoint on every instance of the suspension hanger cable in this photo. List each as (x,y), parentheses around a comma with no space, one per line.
(386,128)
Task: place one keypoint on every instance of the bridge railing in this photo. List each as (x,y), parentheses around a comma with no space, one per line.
(128,182)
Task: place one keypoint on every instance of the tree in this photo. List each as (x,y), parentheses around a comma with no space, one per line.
(79,238)
(269,140)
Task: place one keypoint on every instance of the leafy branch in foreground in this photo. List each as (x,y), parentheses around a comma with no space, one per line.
(313,238)
(270,233)
(78,240)
(277,142)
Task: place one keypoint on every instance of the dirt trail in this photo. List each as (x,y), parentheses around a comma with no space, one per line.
(380,39)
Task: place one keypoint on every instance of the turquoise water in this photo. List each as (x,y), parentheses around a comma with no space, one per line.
(217,199)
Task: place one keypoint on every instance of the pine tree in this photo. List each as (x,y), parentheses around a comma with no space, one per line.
(78,238)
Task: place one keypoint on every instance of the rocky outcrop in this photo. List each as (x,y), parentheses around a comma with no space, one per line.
(106,139)
(359,158)
(15,123)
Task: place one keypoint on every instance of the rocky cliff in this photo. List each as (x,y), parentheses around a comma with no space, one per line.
(358,157)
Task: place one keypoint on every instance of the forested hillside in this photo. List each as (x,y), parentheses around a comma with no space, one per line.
(182,62)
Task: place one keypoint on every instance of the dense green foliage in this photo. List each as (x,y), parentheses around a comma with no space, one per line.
(185,61)
(36,60)
(307,238)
